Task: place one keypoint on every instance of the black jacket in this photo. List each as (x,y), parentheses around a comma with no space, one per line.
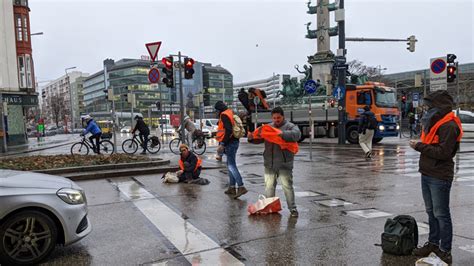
(228,136)
(436,160)
(141,127)
(364,121)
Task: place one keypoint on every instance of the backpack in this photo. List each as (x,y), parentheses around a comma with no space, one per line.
(400,235)
(372,122)
(238,129)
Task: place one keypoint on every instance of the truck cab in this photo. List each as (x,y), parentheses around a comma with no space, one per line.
(383,103)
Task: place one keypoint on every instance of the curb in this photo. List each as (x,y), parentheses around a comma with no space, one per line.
(39,149)
(91,168)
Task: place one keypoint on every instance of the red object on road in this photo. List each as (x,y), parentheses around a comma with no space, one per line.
(265,205)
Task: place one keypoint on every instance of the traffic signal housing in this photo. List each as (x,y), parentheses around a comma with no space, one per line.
(168,80)
(451,69)
(108,94)
(411,43)
(404,98)
(188,68)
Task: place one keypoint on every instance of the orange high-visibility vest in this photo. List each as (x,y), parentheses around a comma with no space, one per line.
(199,163)
(432,136)
(220,127)
(272,135)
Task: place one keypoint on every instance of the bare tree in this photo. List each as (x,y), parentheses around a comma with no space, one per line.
(58,109)
(358,69)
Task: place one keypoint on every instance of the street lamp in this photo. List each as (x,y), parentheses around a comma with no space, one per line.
(70,98)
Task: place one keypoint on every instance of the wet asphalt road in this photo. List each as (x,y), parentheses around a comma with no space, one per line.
(139,220)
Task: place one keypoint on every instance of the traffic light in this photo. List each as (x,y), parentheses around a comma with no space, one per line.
(43,94)
(404,98)
(188,68)
(168,71)
(158,105)
(332,102)
(206,99)
(108,94)
(451,69)
(411,43)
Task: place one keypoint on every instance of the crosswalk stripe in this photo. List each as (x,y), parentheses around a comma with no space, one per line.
(196,246)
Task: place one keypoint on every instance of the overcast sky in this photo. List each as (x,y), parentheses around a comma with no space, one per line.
(252,39)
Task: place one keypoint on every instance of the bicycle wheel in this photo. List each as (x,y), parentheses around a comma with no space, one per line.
(130,146)
(79,148)
(174,145)
(199,146)
(106,147)
(153,148)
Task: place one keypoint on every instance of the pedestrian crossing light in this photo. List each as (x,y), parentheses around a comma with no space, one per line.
(411,43)
(451,69)
(168,80)
(188,68)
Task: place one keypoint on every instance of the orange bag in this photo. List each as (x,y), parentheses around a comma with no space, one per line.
(272,135)
(265,205)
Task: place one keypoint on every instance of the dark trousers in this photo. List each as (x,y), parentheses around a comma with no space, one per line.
(187,176)
(95,146)
(144,140)
(436,196)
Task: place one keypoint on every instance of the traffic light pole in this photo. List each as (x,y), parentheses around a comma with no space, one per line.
(181,99)
(457,89)
(341,129)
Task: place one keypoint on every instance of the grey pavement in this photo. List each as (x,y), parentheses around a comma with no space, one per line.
(343,202)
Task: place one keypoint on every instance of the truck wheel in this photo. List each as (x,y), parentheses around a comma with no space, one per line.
(377,140)
(352,134)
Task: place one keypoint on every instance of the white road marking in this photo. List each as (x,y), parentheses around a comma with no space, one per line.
(196,246)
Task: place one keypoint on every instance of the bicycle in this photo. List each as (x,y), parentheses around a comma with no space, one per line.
(198,146)
(130,146)
(408,132)
(82,147)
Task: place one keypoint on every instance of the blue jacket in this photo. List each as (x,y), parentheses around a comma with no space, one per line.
(92,127)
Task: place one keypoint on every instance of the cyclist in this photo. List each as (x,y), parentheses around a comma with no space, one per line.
(92,127)
(142,127)
(190,128)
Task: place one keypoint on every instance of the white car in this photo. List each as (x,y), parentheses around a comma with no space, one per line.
(125,129)
(212,125)
(467,122)
(168,130)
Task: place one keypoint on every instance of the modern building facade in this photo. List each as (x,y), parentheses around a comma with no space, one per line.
(56,102)
(271,85)
(17,89)
(217,86)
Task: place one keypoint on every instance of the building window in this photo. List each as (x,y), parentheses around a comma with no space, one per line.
(19,28)
(21,71)
(29,79)
(25,28)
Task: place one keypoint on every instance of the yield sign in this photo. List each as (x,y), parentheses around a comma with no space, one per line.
(153,49)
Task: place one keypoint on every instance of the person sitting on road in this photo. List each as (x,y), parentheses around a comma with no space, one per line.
(94,129)
(143,130)
(189,165)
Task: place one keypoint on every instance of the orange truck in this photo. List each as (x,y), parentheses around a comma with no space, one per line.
(381,99)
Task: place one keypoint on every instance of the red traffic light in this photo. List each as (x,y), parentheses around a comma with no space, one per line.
(188,62)
(451,69)
(168,62)
(404,98)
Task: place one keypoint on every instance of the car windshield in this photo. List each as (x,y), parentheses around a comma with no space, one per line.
(213,121)
(385,98)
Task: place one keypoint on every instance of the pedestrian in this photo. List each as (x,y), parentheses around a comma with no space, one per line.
(189,165)
(367,126)
(278,159)
(94,129)
(231,145)
(143,130)
(412,122)
(440,138)
(190,128)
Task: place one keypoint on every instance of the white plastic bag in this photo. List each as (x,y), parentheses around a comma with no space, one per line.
(170,177)
(431,260)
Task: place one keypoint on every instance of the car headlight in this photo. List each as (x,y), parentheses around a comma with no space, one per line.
(381,127)
(398,127)
(71,196)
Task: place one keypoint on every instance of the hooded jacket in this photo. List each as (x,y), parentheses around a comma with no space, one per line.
(436,160)
(141,126)
(226,124)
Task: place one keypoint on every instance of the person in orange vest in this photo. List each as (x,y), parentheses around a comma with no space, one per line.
(440,138)
(278,156)
(231,144)
(190,165)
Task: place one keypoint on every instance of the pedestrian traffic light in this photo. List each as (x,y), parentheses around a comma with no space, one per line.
(168,71)
(332,102)
(206,99)
(188,68)
(411,43)
(451,72)
(43,94)
(451,69)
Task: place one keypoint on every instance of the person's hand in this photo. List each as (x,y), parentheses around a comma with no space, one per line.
(413,143)
(249,136)
(180,172)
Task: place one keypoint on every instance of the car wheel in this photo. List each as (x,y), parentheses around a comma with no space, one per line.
(27,237)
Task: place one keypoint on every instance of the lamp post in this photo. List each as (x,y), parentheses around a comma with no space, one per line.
(70,98)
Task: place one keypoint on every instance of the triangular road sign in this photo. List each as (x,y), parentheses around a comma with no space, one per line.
(153,49)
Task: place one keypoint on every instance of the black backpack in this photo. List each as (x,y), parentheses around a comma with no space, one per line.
(400,235)
(371,122)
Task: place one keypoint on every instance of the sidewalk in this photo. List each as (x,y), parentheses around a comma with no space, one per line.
(35,145)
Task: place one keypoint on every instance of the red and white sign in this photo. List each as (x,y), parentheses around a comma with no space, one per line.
(153,49)
(438,74)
